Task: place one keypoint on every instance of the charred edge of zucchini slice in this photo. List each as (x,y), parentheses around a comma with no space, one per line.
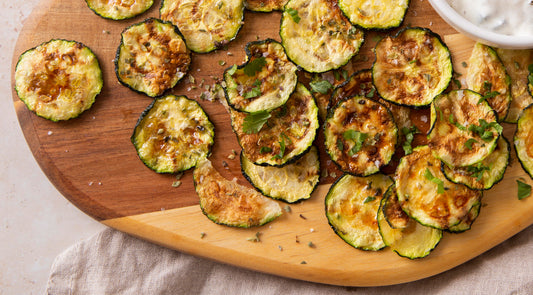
(352,204)
(414,241)
(523,140)
(264,82)
(119,11)
(487,75)
(402,75)
(467,222)
(359,83)
(427,196)
(291,183)
(307,41)
(352,139)
(485,174)
(174,61)
(229,203)
(464,128)
(201,36)
(58,79)
(264,5)
(173,134)
(375,15)
(392,210)
(283,135)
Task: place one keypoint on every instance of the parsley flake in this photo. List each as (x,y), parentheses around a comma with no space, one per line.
(294,14)
(477,171)
(253,122)
(435,180)
(409,133)
(255,91)
(524,189)
(322,86)
(369,199)
(469,142)
(357,137)
(254,66)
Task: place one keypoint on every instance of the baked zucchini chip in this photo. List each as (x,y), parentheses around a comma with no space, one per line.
(486,75)
(371,14)
(427,196)
(516,64)
(264,5)
(279,137)
(412,67)
(464,130)
(412,240)
(352,204)
(317,36)
(173,134)
(229,203)
(485,174)
(264,82)
(118,10)
(360,136)
(467,222)
(59,79)
(206,24)
(152,57)
(290,183)
(523,139)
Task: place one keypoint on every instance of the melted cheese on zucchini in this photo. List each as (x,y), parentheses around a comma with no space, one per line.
(119,9)
(264,5)
(523,139)
(152,57)
(226,202)
(205,24)
(173,134)
(317,36)
(427,196)
(59,79)
(372,14)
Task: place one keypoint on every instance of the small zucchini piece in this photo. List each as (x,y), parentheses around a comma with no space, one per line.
(392,210)
(152,57)
(486,75)
(59,79)
(279,137)
(264,82)
(412,67)
(206,24)
(264,5)
(317,36)
(352,204)
(119,10)
(516,64)
(523,139)
(173,134)
(467,222)
(360,136)
(464,130)
(290,183)
(414,240)
(229,203)
(485,174)
(370,14)
(427,196)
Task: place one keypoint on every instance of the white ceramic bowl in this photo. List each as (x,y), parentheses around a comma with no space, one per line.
(479,34)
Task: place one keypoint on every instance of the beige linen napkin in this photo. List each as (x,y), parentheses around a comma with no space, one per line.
(115,263)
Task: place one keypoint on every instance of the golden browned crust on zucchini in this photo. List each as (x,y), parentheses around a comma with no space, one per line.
(371,14)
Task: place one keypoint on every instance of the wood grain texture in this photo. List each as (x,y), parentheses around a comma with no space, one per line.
(93,164)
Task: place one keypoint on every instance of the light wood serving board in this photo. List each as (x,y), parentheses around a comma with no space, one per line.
(93,164)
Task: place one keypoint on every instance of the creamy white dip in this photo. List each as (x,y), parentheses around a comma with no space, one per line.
(508,17)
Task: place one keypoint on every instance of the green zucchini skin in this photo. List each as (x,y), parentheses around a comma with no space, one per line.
(173,134)
(119,11)
(522,139)
(466,223)
(165,52)
(59,79)
(353,9)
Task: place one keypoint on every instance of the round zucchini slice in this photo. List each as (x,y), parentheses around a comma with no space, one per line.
(279,137)
(467,222)
(59,79)
(352,204)
(317,36)
(370,14)
(392,210)
(412,67)
(206,24)
(486,75)
(523,139)
(118,10)
(264,5)
(290,183)
(152,57)
(485,174)
(413,240)
(229,203)
(264,82)
(360,136)
(464,130)
(427,196)
(173,134)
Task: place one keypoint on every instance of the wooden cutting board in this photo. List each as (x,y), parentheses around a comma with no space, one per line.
(92,163)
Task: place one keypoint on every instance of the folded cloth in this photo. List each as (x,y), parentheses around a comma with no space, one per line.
(112,262)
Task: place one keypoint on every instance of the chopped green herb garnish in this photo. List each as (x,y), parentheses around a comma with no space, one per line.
(322,86)
(455,123)
(483,129)
(340,145)
(294,14)
(254,66)
(265,150)
(409,133)
(357,137)
(435,180)
(524,189)
(469,143)
(369,199)
(413,61)
(255,91)
(491,94)
(345,74)
(477,171)
(253,122)
(281,149)
(371,93)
